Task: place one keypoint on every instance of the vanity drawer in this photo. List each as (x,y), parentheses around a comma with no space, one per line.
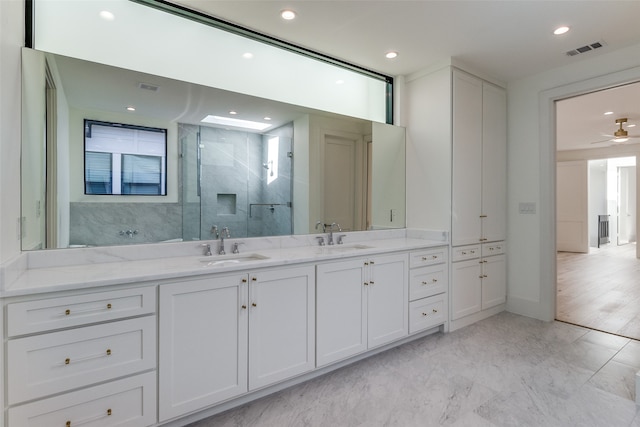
(495,248)
(128,402)
(60,361)
(56,313)
(428,257)
(427,313)
(462,253)
(427,281)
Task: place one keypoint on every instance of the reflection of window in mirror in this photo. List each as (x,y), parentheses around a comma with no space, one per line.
(124,159)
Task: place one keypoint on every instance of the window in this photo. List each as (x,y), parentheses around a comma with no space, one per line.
(124,159)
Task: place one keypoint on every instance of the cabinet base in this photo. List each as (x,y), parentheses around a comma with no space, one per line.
(475,317)
(246,398)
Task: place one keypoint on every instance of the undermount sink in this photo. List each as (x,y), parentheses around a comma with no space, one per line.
(227,260)
(344,248)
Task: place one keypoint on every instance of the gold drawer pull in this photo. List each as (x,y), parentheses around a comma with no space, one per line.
(424,282)
(424,314)
(435,311)
(371,282)
(424,258)
(88,420)
(244,280)
(366,283)
(253,304)
(67,312)
(483,216)
(67,361)
(434,280)
(254,279)
(244,306)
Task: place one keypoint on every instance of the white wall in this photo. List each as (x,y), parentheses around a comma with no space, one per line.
(597,197)
(531,274)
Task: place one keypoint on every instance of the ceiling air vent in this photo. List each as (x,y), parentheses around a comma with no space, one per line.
(148,86)
(585,48)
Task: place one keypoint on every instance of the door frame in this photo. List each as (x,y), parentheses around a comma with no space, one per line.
(546,308)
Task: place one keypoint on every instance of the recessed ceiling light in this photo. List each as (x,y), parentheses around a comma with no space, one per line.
(339,82)
(130,108)
(631,126)
(391,55)
(266,118)
(228,121)
(107,16)
(608,113)
(561,30)
(288,14)
(247,55)
(620,139)
(233,112)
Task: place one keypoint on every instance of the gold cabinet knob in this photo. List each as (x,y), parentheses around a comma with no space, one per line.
(424,282)
(108,352)
(254,279)
(244,280)
(253,304)
(424,314)
(424,258)
(435,311)
(244,306)
(109,306)
(67,361)
(434,280)
(371,282)
(366,283)
(108,411)
(67,312)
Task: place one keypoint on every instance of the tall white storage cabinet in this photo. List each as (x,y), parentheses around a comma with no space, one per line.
(479,161)
(457,129)
(479,191)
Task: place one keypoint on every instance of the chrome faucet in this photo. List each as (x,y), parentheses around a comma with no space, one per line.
(324,226)
(333,224)
(223,233)
(214,231)
(207,249)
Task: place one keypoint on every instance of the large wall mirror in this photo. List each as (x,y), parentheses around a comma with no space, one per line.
(305,165)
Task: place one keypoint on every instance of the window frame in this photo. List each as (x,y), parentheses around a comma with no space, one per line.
(117,159)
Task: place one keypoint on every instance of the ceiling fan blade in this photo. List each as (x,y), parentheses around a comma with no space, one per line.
(600,142)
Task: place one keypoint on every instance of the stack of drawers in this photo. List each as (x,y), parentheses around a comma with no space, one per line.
(428,285)
(83,359)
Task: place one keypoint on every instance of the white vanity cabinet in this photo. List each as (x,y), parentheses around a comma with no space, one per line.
(203,343)
(478,279)
(361,304)
(224,335)
(81,359)
(428,289)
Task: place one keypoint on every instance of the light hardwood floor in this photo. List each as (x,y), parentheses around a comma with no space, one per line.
(601,290)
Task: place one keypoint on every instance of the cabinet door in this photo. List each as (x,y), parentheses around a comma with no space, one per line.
(466,288)
(341,311)
(494,163)
(467,159)
(203,343)
(281,324)
(387,299)
(494,285)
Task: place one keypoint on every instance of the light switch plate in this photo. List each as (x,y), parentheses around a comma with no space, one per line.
(527,208)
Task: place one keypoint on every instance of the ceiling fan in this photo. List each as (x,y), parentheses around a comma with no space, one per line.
(620,136)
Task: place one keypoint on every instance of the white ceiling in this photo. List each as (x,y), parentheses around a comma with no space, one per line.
(504,39)
(507,40)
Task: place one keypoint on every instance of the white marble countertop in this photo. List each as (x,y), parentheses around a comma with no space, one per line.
(98,272)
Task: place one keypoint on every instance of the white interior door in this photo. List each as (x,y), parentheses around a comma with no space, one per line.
(626,204)
(572,231)
(343,183)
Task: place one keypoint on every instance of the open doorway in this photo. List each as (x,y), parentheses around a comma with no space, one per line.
(598,271)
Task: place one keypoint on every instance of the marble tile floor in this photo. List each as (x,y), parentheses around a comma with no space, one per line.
(507,370)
